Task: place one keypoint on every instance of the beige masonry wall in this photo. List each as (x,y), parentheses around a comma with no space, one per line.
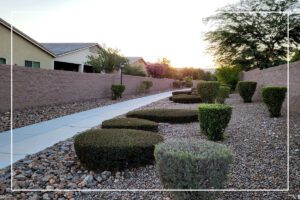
(38,87)
(277,76)
(22,50)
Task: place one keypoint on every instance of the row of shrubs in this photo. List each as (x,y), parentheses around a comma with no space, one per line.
(206,92)
(127,142)
(272,96)
(189,164)
(132,142)
(121,143)
(180,163)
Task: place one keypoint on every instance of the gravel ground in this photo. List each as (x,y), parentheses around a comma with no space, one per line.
(34,115)
(259,143)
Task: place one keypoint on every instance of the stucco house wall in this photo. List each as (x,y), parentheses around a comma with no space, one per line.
(22,50)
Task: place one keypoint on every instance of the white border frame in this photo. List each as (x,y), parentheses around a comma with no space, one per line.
(161,190)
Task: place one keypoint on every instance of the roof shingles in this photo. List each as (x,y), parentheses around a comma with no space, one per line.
(64,48)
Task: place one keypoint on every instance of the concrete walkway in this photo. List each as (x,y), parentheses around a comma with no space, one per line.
(34,138)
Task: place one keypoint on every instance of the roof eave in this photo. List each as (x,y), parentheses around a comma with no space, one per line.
(26,37)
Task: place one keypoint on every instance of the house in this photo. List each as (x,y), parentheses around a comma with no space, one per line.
(72,56)
(25,50)
(137,61)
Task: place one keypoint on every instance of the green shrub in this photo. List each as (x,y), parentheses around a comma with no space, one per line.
(228,75)
(166,115)
(145,86)
(223,93)
(176,84)
(182,92)
(246,90)
(208,90)
(117,91)
(192,164)
(131,123)
(115,149)
(274,97)
(148,84)
(186,98)
(188,81)
(135,70)
(213,119)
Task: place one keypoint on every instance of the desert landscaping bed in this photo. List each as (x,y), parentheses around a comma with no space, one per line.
(259,144)
(25,117)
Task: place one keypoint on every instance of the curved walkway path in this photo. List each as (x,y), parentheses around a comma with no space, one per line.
(34,138)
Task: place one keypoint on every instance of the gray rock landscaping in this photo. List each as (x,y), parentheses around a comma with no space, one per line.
(259,143)
(34,115)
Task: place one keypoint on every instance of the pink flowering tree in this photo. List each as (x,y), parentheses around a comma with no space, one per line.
(156,70)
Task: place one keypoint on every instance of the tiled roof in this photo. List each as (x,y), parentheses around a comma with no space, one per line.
(64,48)
(134,59)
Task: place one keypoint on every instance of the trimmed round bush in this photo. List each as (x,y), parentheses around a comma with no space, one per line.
(246,90)
(166,115)
(223,93)
(185,98)
(131,123)
(117,91)
(213,119)
(182,92)
(274,97)
(115,149)
(208,90)
(192,164)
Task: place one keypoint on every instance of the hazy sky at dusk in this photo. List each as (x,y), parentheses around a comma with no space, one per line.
(150,29)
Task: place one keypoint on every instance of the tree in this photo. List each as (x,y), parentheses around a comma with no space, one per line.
(296,56)
(165,61)
(195,73)
(253,40)
(156,70)
(228,76)
(171,72)
(107,60)
(134,70)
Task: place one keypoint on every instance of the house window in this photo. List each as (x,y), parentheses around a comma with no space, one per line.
(32,64)
(2,61)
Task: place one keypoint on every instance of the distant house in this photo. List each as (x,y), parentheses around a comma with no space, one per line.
(72,56)
(137,61)
(25,50)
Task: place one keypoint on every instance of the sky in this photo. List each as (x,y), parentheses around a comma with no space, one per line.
(151,29)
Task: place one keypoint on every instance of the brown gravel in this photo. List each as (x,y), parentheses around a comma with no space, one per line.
(259,143)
